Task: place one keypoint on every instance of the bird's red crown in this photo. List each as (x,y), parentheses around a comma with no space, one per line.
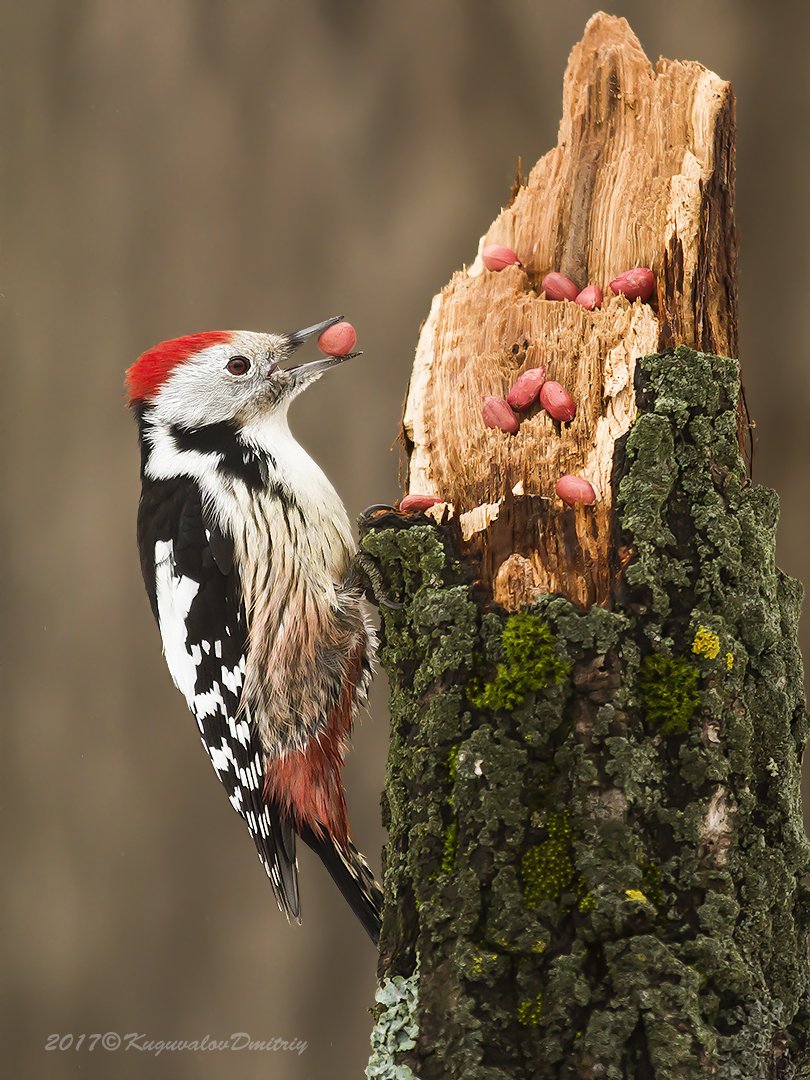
(146,376)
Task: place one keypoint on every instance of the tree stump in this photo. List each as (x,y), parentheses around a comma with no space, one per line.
(596,858)
(643,175)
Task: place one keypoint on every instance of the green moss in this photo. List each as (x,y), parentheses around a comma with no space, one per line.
(525,833)
(450,841)
(452,763)
(450,847)
(532,662)
(669,692)
(530,1011)
(652,882)
(547,869)
(482,964)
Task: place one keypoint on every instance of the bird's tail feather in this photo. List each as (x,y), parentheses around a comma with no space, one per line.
(352,875)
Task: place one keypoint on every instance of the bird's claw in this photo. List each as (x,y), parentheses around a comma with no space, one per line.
(367,515)
(365,574)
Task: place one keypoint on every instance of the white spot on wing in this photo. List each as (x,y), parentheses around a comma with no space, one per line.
(239,730)
(233,679)
(222,757)
(175,595)
(208,704)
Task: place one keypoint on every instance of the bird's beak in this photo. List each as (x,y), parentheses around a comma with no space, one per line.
(304,373)
(297,337)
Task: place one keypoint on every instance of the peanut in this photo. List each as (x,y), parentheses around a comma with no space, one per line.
(575,489)
(498,257)
(590,298)
(418,503)
(497,414)
(557,402)
(338,340)
(636,284)
(526,388)
(558,287)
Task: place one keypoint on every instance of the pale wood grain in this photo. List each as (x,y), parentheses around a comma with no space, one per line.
(642,176)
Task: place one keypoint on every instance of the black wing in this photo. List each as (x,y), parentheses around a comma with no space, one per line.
(196,597)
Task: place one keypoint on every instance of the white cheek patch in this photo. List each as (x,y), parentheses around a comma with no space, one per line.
(175,595)
(200,391)
(165,460)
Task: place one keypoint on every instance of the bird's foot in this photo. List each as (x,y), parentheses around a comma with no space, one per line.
(365,575)
(374,515)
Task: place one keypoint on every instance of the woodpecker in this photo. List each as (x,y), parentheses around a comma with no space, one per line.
(249,562)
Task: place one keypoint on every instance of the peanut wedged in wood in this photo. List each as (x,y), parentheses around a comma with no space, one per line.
(642,176)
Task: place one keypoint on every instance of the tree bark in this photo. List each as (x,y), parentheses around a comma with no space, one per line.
(596,858)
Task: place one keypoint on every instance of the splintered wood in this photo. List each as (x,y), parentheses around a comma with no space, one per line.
(642,176)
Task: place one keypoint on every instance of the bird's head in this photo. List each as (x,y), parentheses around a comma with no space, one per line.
(224,375)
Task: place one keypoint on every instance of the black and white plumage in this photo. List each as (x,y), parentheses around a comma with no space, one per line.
(246,554)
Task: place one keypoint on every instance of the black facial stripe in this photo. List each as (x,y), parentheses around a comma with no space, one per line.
(244,462)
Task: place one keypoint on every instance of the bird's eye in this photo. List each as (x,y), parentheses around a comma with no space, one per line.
(238,365)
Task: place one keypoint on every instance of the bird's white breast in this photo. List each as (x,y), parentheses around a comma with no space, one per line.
(313,538)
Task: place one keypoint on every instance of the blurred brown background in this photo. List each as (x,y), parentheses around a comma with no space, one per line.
(176,166)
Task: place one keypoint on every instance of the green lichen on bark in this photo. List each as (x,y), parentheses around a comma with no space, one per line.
(598,868)
(396,1028)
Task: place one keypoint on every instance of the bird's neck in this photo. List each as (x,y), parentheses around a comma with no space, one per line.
(242,469)
(222,453)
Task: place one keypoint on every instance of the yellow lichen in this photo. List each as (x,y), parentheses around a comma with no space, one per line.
(706,643)
(729,659)
(530,1011)
(636,894)
(479,963)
